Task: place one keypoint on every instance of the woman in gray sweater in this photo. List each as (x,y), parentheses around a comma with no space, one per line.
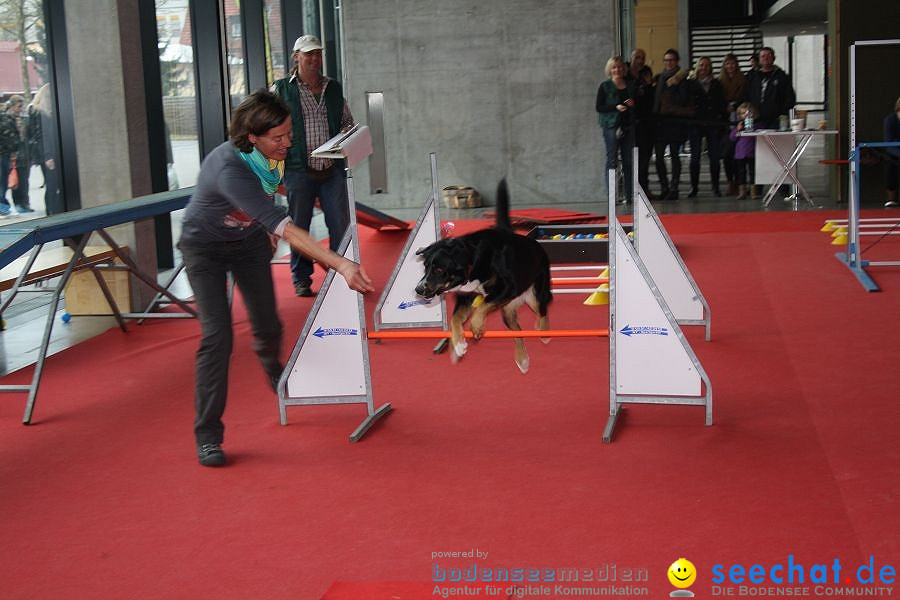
(231,225)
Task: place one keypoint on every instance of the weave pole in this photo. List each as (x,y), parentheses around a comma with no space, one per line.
(529,333)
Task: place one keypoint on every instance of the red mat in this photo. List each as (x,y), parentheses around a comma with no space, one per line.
(102,497)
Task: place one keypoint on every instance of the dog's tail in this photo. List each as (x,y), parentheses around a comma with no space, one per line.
(502,212)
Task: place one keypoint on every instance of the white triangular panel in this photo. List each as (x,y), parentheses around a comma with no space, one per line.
(331,361)
(400,305)
(651,358)
(664,265)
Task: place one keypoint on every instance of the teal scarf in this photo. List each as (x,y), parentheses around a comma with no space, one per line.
(268,171)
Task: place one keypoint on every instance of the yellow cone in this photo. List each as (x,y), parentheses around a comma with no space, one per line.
(829,226)
(840,240)
(604,274)
(839,231)
(600,297)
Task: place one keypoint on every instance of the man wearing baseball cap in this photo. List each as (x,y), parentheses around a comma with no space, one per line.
(319,111)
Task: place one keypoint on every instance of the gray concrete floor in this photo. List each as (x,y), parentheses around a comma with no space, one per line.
(26,318)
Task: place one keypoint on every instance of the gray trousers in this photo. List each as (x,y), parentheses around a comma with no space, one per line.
(207,266)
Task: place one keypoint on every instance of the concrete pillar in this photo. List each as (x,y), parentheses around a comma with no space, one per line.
(110,118)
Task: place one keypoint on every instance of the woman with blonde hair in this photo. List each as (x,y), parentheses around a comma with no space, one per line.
(41,134)
(733,85)
(615,101)
(710,124)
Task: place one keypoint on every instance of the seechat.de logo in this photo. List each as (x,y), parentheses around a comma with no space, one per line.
(682,575)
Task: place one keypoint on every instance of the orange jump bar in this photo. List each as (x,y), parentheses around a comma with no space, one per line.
(500,333)
(578,280)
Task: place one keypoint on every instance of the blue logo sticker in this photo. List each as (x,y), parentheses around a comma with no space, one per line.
(644,330)
(405,305)
(320,332)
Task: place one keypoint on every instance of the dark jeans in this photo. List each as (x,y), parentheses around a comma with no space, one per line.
(744,170)
(53,200)
(302,190)
(207,267)
(20,194)
(713,137)
(5,164)
(674,149)
(728,160)
(644,140)
(615,147)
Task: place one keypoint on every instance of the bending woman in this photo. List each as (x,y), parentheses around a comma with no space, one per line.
(230,226)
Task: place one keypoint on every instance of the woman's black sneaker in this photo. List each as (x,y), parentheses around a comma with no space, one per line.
(210,455)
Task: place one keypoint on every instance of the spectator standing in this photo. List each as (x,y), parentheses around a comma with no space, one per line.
(41,135)
(640,76)
(230,226)
(15,109)
(744,153)
(319,112)
(710,124)
(674,105)
(733,84)
(9,146)
(615,103)
(754,63)
(769,89)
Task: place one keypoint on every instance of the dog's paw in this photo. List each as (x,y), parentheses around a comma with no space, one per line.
(522,362)
(459,351)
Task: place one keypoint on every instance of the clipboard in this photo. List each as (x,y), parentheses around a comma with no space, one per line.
(354,145)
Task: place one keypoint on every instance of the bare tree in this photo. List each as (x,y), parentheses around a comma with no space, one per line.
(22,21)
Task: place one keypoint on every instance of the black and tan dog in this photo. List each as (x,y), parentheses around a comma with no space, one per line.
(489,269)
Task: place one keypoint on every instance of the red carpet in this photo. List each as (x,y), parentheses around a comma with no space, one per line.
(102,496)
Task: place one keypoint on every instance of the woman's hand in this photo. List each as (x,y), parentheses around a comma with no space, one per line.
(355,276)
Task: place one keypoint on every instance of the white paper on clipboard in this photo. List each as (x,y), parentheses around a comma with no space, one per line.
(354,145)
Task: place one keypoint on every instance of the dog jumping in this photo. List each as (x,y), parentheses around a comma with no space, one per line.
(489,269)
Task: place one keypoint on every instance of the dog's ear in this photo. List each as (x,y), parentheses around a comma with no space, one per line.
(433,247)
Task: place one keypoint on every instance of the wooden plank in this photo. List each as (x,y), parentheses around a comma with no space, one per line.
(51,262)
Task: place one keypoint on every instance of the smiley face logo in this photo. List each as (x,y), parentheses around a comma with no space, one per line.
(682,573)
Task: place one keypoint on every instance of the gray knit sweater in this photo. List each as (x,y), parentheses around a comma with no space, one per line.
(229,202)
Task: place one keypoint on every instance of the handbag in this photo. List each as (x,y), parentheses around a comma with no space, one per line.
(12,182)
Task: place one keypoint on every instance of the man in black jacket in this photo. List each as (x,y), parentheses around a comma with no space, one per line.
(769,89)
(674,106)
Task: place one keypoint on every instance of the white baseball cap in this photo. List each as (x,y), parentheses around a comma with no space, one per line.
(307,43)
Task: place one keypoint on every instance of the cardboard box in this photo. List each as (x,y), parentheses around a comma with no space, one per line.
(84,296)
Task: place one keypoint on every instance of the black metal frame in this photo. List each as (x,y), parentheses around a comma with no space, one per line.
(57,54)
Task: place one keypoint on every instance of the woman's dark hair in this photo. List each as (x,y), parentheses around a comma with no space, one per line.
(255,115)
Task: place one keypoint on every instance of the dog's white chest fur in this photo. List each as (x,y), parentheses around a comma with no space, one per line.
(469,287)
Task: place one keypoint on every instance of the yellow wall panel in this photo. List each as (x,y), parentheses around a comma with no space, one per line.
(656,29)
